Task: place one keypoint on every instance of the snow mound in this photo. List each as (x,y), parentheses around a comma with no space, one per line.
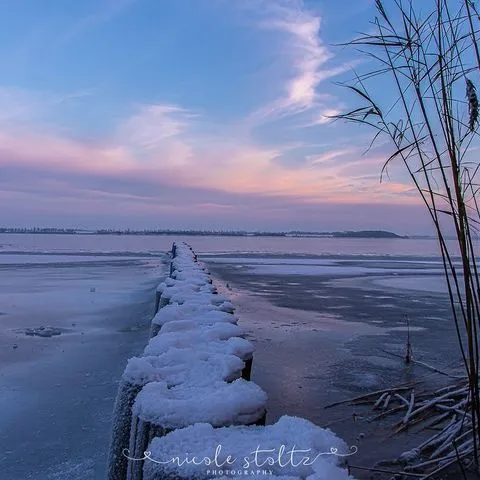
(221,330)
(203,315)
(183,366)
(322,452)
(218,403)
(205,337)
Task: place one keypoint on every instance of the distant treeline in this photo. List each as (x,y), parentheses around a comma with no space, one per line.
(71,231)
(226,233)
(223,233)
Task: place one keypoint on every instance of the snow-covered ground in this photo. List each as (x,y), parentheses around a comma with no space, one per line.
(57,393)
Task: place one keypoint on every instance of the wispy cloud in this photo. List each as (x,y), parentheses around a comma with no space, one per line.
(307,52)
(330,155)
(154,134)
(25,107)
(105,10)
(306,55)
(152,124)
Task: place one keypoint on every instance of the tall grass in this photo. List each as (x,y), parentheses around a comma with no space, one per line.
(426,54)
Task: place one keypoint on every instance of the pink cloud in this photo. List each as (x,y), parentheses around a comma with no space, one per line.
(157,161)
(236,167)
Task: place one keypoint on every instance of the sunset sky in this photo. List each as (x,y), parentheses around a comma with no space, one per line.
(205,114)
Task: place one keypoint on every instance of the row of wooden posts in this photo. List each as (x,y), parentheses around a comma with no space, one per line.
(131,435)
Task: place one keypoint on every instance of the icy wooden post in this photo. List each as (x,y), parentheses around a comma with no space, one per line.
(142,434)
(224,404)
(157,302)
(131,433)
(247,371)
(158,295)
(122,419)
(154,329)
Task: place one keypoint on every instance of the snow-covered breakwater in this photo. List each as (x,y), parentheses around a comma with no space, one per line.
(189,395)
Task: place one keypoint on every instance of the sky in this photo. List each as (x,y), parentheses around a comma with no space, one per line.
(190,114)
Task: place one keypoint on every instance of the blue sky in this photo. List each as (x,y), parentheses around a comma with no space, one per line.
(188,114)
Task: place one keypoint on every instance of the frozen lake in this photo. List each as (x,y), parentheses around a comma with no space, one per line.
(339,302)
(57,393)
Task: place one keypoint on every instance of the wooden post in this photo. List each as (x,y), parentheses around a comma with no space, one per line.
(157,302)
(262,420)
(247,370)
(142,433)
(121,424)
(132,433)
(154,329)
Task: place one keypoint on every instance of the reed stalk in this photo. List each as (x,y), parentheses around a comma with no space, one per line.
(426,53)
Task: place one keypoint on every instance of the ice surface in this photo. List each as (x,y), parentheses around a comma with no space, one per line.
(274,261)
(334,270)
(329,266)
(49,259)
(61,389)
(436,284)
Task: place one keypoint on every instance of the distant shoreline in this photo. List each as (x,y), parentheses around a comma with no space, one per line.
(292,234)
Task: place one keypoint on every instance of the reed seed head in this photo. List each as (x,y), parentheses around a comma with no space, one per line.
(472,104)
